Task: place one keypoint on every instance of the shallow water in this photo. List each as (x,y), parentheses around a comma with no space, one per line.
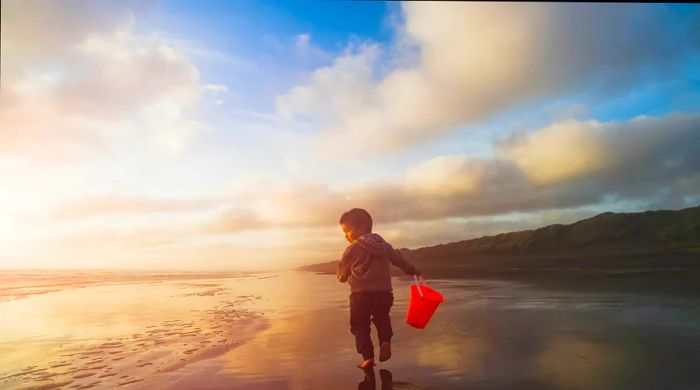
(115,329)
(291,330)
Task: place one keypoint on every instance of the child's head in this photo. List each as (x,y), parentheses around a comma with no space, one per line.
(355,223)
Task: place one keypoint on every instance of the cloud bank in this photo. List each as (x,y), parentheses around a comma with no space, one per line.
(565,165)
(79,78)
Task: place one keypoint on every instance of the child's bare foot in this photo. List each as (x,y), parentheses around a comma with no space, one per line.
(385,351)
(367,363)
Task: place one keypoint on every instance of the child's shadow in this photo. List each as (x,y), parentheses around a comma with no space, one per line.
(370,380)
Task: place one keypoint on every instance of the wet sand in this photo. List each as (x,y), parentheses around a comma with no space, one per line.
(487,335)
(108,332)
(291,331)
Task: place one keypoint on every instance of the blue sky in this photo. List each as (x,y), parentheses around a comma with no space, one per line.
(181,134)
(333,22)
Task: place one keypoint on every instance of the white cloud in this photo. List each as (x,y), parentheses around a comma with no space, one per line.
(216,88)
(644,147)
(335,90)
(110,204)
(35,129)
(477,59)
(81,75)
(43,29)
(445,176)
(563,150)
(308,52)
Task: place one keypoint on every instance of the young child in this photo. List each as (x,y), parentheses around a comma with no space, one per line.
(365,266)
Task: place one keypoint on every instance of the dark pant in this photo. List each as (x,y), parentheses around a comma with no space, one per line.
(366,307)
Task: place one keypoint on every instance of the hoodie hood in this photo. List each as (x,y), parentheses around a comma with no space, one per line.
(374,243)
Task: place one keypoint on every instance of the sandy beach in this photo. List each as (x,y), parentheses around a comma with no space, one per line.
(290,330)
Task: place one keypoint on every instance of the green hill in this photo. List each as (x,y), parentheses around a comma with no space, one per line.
(623,231)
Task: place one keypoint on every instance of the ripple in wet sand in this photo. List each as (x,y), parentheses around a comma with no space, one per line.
(130,381)
(160,349)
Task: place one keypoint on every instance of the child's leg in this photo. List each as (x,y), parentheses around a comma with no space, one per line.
(380,315)
(360,311)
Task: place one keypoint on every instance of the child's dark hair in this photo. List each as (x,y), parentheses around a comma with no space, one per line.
(357,218)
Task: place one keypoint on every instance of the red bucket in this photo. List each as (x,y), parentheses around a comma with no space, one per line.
(422,305)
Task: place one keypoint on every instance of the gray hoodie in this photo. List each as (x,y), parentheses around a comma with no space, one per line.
(365,264)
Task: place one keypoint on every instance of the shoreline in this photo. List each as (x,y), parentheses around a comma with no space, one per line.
(15,283)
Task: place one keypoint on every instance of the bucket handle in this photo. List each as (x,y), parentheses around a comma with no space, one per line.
(420,292)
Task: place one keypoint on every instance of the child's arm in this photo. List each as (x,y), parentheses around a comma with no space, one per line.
(343,271)
(398,259)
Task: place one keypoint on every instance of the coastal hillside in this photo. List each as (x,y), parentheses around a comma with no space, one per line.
(650,241)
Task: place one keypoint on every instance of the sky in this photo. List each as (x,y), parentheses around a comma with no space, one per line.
(232,135)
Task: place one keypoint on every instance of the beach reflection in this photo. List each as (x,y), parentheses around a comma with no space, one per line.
(486,335)
(369,382)
(570,362)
